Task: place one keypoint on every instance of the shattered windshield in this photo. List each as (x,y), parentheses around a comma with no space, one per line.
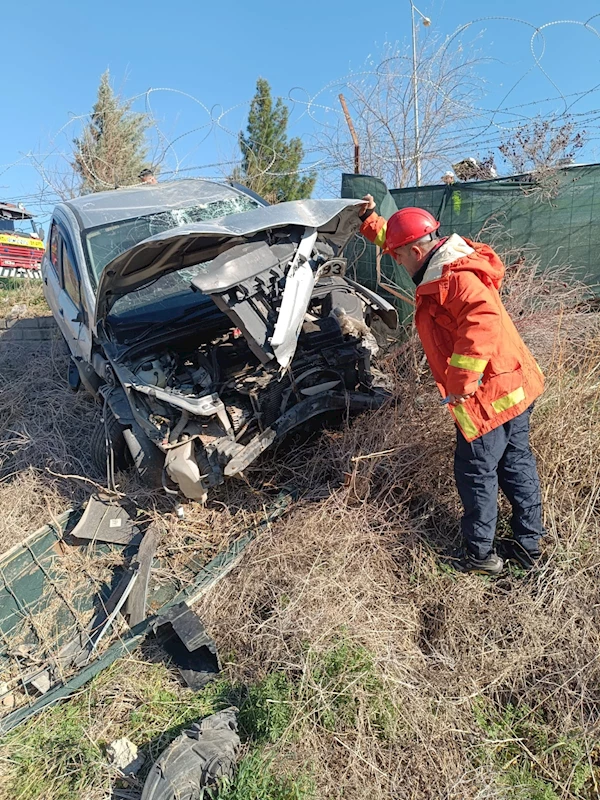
(105,243)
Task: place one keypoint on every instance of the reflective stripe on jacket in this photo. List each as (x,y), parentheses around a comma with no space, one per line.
(469,339)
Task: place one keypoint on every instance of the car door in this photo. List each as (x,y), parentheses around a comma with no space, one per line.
(71,306)
(51,273)
(63,291)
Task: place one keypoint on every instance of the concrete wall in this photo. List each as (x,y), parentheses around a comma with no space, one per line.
(37,329)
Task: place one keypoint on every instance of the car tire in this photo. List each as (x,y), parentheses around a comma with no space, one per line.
(114,430)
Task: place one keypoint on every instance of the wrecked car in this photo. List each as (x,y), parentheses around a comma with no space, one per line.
(209,324)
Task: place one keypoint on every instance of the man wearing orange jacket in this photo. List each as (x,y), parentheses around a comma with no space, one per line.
(484,372)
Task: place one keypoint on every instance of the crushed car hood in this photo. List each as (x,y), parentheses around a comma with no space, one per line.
(336,220)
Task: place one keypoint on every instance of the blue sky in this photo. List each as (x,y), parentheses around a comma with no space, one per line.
(54,55)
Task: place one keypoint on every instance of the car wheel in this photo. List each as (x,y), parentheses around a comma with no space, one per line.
(112,429)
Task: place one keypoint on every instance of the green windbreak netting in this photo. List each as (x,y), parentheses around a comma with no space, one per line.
(555,221)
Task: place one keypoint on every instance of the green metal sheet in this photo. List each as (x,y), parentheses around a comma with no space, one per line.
(18,566)
(556,222)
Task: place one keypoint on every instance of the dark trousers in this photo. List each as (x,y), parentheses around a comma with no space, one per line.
(502,458)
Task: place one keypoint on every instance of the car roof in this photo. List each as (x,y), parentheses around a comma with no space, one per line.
(104,208)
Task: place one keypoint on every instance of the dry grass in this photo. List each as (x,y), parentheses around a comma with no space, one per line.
(454,656)
(387,674)
(27,294)
(43,426)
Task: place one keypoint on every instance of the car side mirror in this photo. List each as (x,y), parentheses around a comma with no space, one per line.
(40,233)
(78,317)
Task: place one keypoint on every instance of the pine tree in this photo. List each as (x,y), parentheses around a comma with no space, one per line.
(270,162)
(112,150)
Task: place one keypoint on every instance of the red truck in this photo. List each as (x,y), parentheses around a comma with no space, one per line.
(21,251)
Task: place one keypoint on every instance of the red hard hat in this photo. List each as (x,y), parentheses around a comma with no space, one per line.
(408,225)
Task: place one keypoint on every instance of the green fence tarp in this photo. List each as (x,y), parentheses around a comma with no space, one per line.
(557,222)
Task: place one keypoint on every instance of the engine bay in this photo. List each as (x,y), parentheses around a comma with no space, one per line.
(255,394)
(294,343)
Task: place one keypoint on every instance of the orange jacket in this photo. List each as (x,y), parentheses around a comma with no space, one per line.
(469,339)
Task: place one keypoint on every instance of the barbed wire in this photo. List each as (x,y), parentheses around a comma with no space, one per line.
(489,126)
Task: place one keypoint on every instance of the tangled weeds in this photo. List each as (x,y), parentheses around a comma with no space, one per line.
(358,659)
(405,679)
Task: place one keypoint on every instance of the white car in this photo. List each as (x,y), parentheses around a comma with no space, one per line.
(208,323)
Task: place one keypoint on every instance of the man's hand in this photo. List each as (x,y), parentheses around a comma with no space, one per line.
(458,399)
(368,204)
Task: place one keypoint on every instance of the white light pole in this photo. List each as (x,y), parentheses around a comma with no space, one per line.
(426,23)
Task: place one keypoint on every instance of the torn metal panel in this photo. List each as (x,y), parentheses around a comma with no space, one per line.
(22,579)
(189,245)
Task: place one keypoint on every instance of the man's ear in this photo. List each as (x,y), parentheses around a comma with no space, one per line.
(417,252)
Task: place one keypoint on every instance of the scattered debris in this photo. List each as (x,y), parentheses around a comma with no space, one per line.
(199,757)
(125,756)
(182,635)
(7,698)
(71,605)
(41,682)
(106,521)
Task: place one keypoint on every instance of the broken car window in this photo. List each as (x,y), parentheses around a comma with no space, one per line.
(105,243)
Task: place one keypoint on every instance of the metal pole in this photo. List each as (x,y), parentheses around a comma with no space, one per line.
(415,95)
(352,133)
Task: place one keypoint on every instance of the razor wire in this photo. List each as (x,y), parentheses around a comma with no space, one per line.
(173,153)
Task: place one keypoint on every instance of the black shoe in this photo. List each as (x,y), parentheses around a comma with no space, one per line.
(491,565)
(512,550)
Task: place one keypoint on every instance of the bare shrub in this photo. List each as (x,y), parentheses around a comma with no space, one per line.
(381,101)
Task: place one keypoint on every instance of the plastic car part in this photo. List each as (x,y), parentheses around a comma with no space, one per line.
(148,460)
(385,310)
(105,521)
(299,285)
(181,466)
(196,760)
(181,634)
(249,303)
